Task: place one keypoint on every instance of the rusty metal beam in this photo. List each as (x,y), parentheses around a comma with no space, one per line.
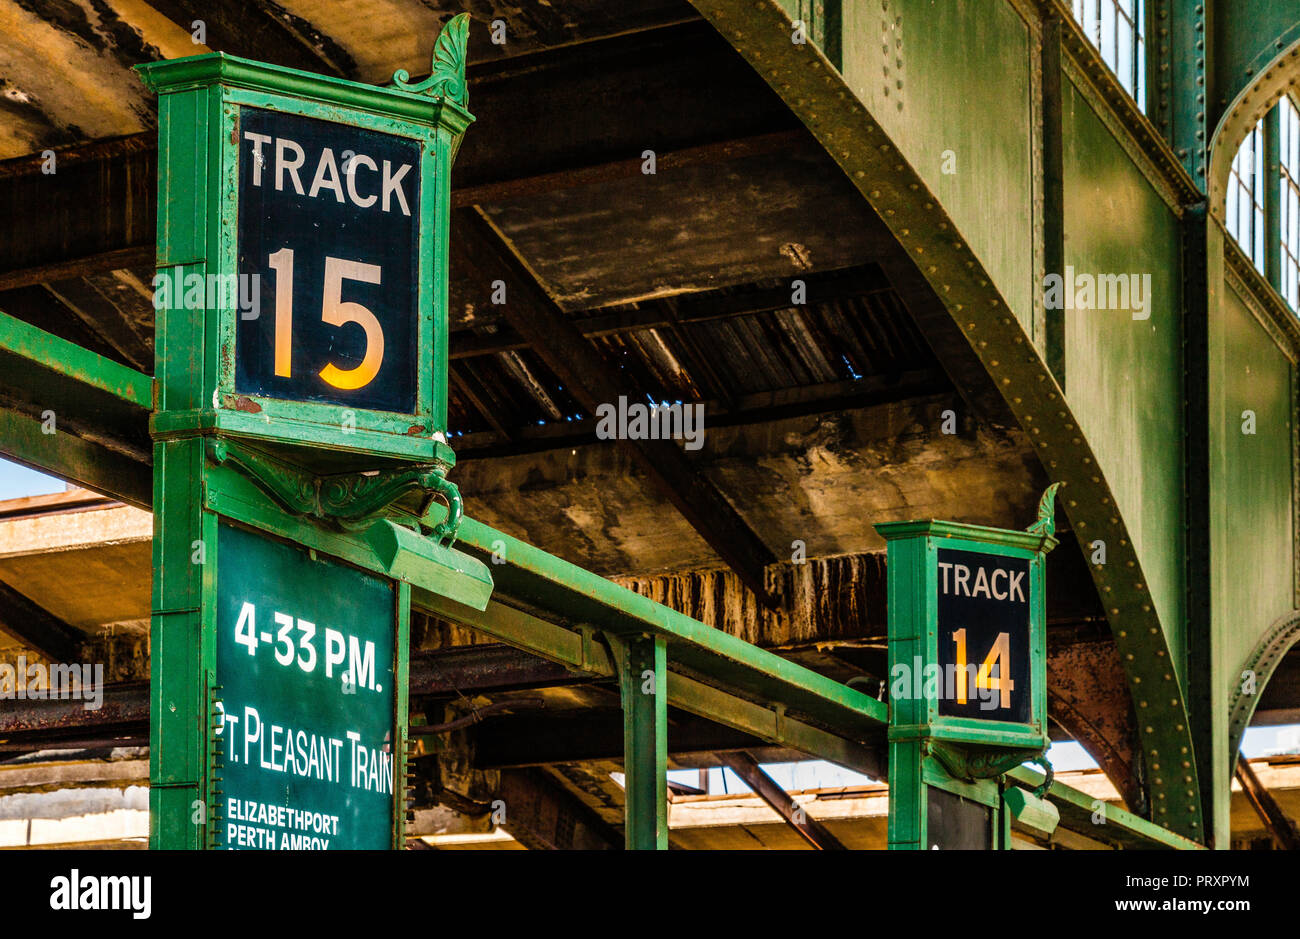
(538,738)
(1270,813)
(37,627)
(766,788)
(1088,697)
(505,190)
(592,381)
(688,309)
(479,669)
(542,815)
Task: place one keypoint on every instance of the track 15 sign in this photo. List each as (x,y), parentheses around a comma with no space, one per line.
(329,233)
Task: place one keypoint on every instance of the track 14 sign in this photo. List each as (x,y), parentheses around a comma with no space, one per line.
(983,635)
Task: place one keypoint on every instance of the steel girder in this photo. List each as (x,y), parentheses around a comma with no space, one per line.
(852,136)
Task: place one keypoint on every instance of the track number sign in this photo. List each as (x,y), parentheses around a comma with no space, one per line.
(983,636)
(329,238)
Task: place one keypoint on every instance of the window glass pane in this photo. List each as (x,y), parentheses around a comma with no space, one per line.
(1117,29)
(1289,199)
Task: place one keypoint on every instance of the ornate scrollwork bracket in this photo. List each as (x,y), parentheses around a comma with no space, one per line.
(447,74)
(985,764)
(1046,523)
(345,500)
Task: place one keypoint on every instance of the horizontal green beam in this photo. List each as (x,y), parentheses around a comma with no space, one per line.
(538,580)
(1121,827)
(707,694)
(581,651)
(72,361)
(88,464)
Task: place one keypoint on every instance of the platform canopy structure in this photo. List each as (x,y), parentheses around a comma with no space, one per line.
(913,260)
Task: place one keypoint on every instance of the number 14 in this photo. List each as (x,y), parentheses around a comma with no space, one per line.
(999,655)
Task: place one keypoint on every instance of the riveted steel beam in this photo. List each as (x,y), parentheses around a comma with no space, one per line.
(1259,668)
(1258,85)
(818,95)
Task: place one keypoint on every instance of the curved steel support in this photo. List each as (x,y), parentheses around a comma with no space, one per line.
(1250,684)
(852,137)
(1265,80)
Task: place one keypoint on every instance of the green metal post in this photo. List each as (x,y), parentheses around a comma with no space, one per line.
(643,681)
(1273,197)
(209,429)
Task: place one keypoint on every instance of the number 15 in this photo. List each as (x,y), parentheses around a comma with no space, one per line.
(334,310)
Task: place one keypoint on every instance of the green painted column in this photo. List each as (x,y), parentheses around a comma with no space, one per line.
(643,682)
(1273,197)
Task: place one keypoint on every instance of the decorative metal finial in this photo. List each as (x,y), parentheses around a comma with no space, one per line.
(447,77)
(1046,524)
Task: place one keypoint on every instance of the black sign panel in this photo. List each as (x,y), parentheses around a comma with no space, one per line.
(329,243)
(956,824)
(984,623)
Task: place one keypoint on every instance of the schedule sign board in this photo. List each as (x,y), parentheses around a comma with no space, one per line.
(329,238)
(305,666)
(983,636)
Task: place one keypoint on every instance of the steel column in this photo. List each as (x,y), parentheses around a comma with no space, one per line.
(643,682)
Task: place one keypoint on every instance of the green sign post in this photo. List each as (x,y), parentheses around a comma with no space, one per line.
(299,444)
(967,678)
